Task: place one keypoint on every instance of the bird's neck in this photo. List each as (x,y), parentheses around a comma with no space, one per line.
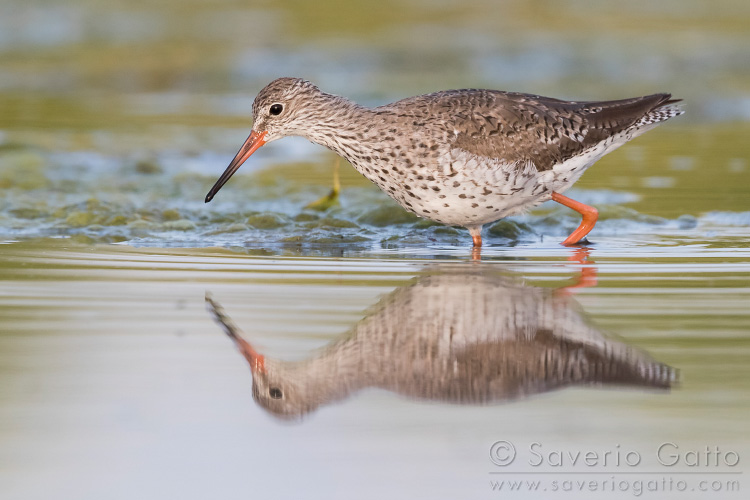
(338,124)
(338,371)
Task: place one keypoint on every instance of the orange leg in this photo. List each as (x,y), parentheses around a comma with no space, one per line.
(476,235)
(476,250)
(590,215)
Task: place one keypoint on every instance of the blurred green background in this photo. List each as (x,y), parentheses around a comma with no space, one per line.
(136,107)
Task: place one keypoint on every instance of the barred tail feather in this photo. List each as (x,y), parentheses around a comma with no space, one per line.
(665,110)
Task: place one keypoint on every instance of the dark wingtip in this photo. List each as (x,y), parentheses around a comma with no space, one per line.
(666,99)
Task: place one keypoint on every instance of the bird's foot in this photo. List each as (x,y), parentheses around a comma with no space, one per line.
(584,242)
(332,198)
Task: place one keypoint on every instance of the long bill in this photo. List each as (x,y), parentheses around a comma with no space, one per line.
(253,357)
(253,142)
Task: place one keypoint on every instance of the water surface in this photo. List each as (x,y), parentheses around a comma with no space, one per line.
(116,379)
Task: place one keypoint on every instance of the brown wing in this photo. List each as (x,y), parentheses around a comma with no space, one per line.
(521,127)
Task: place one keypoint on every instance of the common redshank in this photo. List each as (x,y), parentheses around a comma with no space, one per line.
(458,337)
(459,157)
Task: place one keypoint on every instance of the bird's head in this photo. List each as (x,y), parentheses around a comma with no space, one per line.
(279,387)
(284,107)
(279,391)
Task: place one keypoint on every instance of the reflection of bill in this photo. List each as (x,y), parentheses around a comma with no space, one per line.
(466,337)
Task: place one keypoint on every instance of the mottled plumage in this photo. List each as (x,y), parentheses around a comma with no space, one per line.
(460,157)
(460,337)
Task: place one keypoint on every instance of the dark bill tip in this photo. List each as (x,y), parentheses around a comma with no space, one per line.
(252,143)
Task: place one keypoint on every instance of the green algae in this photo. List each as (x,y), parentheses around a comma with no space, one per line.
(179,225)
(161,204)
(509,229)
(140,225)
(23,169)
(80,219)
(305,217)
(331,223)
(30,213)
(267,221)
(170,215)
(231,228)
(148,167)
(387,215)
(117,220)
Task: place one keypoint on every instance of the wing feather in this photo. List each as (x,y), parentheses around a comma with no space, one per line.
(514,127)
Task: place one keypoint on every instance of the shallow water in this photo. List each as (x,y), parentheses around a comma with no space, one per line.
(116,119)
(116,379)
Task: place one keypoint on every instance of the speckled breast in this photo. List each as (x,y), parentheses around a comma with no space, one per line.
(453,186)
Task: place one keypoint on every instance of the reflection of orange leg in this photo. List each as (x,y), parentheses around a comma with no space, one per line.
(590,215)
(476,253)
(588,275)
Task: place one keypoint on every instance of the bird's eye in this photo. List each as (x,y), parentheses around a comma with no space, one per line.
(275,393)
(276,109)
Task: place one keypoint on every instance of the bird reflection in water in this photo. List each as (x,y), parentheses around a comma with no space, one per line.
(465,335)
